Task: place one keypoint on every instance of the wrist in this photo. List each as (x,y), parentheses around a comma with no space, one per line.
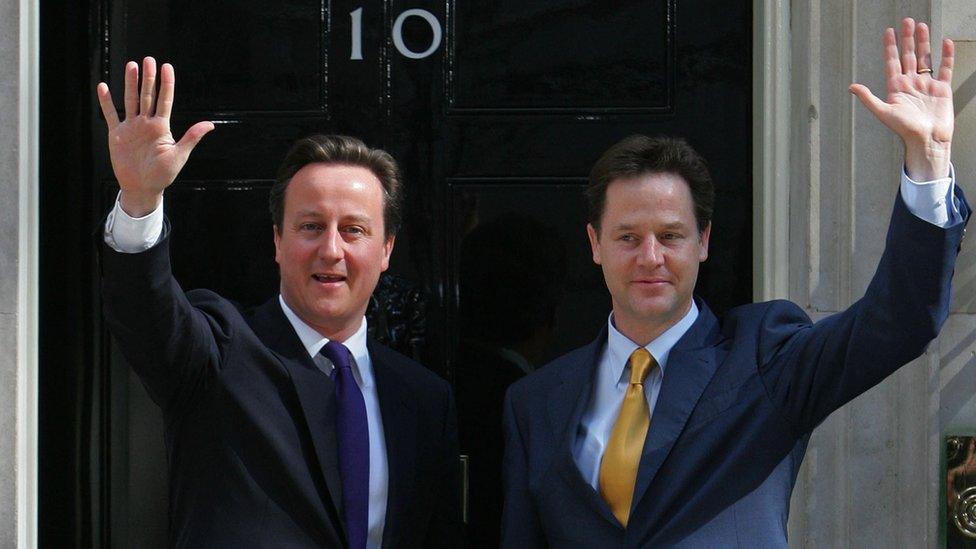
(138,205)
(927,161)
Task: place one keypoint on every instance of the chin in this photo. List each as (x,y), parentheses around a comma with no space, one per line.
(327,313)
(657,312)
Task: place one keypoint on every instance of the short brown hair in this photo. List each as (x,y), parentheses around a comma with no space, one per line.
(343,150)
(639,155)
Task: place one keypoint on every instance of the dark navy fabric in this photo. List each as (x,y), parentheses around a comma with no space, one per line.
(737,404)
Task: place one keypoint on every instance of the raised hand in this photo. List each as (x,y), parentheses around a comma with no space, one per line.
(145,157)
(919,103)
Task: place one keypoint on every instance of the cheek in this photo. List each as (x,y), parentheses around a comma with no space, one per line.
(616,266)
(296,255)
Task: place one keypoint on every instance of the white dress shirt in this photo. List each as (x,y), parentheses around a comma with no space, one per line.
(362,371)
(610,385)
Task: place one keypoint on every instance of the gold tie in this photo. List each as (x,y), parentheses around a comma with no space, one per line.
(618,469)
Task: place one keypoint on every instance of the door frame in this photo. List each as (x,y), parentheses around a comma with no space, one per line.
(771,111)
(23,440)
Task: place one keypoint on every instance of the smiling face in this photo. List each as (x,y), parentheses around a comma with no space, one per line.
(649,248)
(331,247)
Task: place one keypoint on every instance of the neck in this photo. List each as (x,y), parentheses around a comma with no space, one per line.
(335,329)
(339,334)
(642,331)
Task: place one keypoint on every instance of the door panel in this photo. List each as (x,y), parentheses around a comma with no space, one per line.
(241,57)
(560,56)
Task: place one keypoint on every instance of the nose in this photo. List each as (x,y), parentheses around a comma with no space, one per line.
(651,253)
(330,247)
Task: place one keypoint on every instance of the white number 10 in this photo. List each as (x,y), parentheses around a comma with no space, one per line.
(356,45)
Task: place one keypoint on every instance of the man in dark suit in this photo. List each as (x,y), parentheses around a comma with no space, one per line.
(675,429)
(286,426)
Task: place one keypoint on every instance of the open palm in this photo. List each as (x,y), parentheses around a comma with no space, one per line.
(145,156)
(918,106)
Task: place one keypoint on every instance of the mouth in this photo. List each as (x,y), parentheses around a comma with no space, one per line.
(328,278)
(650,281)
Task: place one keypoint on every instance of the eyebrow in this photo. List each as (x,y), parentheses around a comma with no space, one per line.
(355,218)
(674,225)
(630,227)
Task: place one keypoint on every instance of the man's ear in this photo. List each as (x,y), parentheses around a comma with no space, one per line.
(703,242)
(387,251)
(277,242)
(594,242)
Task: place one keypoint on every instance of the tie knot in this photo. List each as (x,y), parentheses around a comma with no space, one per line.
(337,353)
(640,363)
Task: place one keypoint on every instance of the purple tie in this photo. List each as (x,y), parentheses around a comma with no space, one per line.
(353,439)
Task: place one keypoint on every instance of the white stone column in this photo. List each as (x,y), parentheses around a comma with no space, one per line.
(872,474)
(18,272)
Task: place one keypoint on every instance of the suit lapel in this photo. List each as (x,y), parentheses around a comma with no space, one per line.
(316,392)
(566,403)
(400,433)
(691,365)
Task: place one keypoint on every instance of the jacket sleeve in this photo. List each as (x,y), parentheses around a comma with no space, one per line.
(520,523)
(171,344)
(810,370)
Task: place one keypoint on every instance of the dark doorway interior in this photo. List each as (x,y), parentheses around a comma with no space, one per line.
(496,129)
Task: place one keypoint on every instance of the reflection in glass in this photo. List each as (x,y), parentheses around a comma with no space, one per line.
(511,277)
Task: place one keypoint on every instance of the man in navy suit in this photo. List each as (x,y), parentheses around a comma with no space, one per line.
(286,426)
(675,429)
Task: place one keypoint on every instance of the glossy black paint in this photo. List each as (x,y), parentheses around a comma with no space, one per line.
(496,129)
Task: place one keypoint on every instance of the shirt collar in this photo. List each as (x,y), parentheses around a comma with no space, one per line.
(620,347)
(313,343)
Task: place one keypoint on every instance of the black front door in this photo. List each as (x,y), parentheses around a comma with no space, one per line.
(495,110)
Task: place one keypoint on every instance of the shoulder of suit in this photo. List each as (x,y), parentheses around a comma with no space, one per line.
(412,371)
(776,310)
(221,311)
(768,324)
(549,374)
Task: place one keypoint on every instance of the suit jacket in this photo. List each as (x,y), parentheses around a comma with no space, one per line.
(734,412)
(250,420)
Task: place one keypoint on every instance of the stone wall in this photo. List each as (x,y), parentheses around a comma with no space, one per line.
(871,477)
(18,166)
(9,265)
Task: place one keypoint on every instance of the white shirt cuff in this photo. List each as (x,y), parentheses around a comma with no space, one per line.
(933,201)
(131,235)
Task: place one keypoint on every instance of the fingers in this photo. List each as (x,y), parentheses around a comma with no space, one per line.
(193,136)
(108,108)
(148,86)
(948,56)
(923,50)
(131,85)
(908,62)
(892,65)
(143,100)
(869,100)
(167,83)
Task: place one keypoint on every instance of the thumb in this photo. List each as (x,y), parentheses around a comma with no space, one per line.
(869,100)
(193,136)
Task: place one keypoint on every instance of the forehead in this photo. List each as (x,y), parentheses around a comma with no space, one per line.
(649,197)
(332,185)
